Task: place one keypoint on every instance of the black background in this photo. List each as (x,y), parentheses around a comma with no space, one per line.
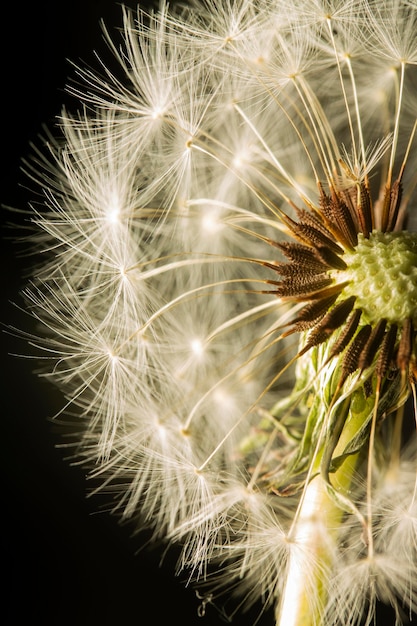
(63,563)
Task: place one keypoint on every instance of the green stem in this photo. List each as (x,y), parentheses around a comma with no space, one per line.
(316,530)
(336,427)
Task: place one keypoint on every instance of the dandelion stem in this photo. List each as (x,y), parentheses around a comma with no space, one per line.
(314,537)
(311,555)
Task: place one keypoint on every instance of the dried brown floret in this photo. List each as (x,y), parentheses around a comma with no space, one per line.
(354,351)
(405,347)
(330,322)
(386,352)
(346,334)
(371,348)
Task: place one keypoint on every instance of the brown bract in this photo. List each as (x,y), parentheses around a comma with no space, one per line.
(322,236)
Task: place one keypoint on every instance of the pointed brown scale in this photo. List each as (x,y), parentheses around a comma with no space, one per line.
(316,238)
(280,268)
(326,292)
(288,269)
(331,259)
(343,218)
(349,197)
(301,327)
(330,322)
(373,345)
(354,351)
(385,211)
(386,352)
(368,388)
(313,219)
(310,315)
(293,269)
(405,347)
(313,311)
(347,333)
(364,210)
(394,205)
(302,255)
(291,224)
(325,203)
(338,218)
(302,286)
(296,277)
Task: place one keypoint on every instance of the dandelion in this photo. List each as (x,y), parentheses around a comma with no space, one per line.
(229,296)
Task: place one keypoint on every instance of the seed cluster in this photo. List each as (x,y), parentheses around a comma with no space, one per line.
(382,275)
(354,279)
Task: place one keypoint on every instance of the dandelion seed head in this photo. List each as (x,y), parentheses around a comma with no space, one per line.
(229,294)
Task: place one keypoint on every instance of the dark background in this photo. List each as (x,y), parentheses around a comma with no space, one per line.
(63,563)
